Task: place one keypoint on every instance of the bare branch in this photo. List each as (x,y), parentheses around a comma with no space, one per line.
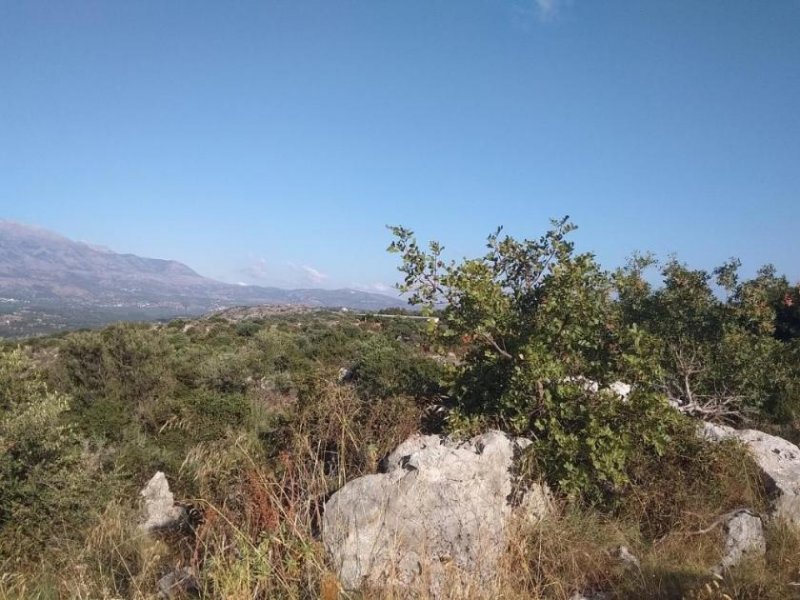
(488,337)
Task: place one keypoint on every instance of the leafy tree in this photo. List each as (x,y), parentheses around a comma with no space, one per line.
(722,353)
(536,322)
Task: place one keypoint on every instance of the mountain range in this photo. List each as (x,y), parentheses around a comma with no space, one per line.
(46,274)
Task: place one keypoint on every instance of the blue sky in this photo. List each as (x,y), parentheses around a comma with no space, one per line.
(270,142)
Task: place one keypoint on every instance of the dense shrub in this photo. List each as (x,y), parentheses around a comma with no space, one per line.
(386,368)
(586,445)
(247,328)
(536,323)
(726,353)
(534,316)
(46,473)
(115,373)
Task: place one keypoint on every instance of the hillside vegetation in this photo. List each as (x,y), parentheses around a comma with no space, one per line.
(257,420)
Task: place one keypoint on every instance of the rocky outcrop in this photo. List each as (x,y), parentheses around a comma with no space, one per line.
(160,510)
(744,538)
(778,459)
(439,514)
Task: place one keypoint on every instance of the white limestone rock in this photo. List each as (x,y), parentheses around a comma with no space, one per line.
(439,513)
(160,510)
(744,538)
(778,459)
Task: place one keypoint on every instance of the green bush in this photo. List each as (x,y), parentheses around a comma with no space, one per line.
(729,352)
(214,413)
(386,368)
(223,373)
(47,475)
(586,444)
(114,374)
(247,328)
(533,316)
(535,322)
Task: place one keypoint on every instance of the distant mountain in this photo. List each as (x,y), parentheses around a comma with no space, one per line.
(41,271)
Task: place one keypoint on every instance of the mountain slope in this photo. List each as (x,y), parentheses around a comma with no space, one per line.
(42,270)
(38,264)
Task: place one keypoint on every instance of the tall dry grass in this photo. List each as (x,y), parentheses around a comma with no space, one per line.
(260,496)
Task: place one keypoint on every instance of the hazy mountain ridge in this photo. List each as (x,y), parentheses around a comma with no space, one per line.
(43,273)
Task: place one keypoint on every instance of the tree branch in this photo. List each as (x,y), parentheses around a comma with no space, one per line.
(488,337)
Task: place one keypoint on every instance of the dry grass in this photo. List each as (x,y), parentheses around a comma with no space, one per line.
(777,577)
(259,538)
(116,561)
(571,552)
(262,545)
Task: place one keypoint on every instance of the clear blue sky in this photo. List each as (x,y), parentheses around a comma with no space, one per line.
(270,142)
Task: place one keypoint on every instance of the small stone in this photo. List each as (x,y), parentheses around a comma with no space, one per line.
(159,505)
(621,389)
(178,582)
(627,557)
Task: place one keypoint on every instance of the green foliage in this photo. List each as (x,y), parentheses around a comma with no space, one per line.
(223,373)
(247,328)
(525,311)
(114,373)
(333,343)
(45,472)
(534,320)
(586,443)
(214,413)
(733,354)
(388,368)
